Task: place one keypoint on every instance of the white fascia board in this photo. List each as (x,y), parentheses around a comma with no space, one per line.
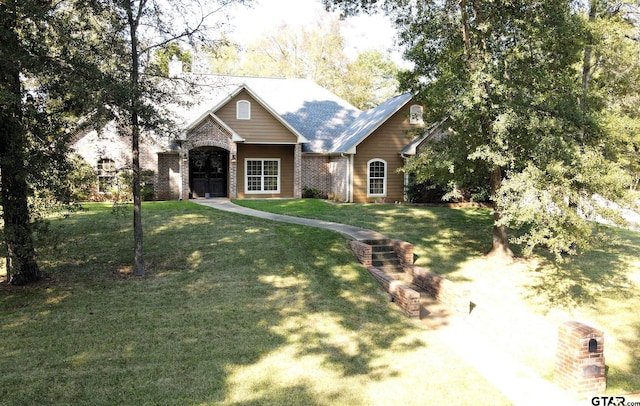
(234,135)
(352,150)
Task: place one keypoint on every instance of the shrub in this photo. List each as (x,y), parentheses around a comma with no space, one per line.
(312,193)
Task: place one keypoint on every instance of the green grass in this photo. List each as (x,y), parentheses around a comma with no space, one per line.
(234,310)
(520,305)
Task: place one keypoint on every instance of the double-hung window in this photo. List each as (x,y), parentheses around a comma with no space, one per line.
(106,175)
(262,175)
(376,178)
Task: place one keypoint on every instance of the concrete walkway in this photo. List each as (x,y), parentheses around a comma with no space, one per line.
(355,233)
(517,382)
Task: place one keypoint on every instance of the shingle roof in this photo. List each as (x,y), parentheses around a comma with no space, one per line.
(327,123)
(367,122)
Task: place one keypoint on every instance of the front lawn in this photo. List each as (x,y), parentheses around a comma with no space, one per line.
(234,310)
(519,306)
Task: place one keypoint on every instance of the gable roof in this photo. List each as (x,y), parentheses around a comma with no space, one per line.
(322,121)
(367,122)
(430,132)
(309,111)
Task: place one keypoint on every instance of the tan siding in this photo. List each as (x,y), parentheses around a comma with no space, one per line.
(284,152)
(385,143)
(261,128)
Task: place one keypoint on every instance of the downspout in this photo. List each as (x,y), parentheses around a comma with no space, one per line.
(348,196)
(406,178)
(350,177)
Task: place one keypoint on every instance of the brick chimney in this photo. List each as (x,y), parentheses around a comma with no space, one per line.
(175,67)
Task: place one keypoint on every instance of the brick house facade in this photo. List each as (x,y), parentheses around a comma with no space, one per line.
(264,138)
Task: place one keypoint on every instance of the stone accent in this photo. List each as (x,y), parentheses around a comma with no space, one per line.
(580,367)
(402,295)
(362,251)
(439,288)
(315,173)
(209,134)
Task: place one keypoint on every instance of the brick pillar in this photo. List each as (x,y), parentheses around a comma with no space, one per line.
(297,171)
(580,367)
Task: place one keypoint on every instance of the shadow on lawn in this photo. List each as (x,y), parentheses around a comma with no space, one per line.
(223,297)
(582,280)
(629,380)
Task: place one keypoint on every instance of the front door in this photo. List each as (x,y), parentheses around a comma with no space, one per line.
(208,172)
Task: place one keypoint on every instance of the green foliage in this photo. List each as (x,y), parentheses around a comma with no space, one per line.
(82,179)
(312,193)
(164,55)
(369,80)
(122,191)
(315,52)
(506,75)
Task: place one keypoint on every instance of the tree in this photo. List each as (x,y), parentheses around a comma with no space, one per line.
(141,103)
(162,56)
(369,80)
(505,74)
(45,60)
(611,77)
(316,53)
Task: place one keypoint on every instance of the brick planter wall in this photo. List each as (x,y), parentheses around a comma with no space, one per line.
(405,297)
(580,367)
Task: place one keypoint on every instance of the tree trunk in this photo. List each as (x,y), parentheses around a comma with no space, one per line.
(500,241)
(22,267)
(135,140)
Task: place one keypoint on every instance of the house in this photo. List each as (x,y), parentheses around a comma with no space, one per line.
(249,137)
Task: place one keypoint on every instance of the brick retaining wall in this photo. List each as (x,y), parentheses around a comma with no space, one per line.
(405,297)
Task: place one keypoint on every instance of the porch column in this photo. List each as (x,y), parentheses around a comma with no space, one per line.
(297,171)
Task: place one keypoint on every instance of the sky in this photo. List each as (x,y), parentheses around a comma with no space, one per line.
(361,33)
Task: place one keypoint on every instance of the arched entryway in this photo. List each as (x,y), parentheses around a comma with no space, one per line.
(208,172)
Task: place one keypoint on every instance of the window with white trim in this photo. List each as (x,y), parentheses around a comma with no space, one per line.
(262,175)
(376,178)
(415,115)
(106,175)
(243,110)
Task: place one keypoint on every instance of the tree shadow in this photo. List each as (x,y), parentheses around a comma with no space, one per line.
(602,272)
(224,293)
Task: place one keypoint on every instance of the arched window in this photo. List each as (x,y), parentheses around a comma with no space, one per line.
(243,110)
(377,178)
(415,115)
(106,174)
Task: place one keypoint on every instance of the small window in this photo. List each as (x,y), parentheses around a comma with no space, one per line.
(106,175)
(243,110)
(262,175)
(415,115)
(377,178)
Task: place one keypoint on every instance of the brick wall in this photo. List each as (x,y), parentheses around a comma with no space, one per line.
(404,251)
(580,369)
(169,179)
(315,173)
(441,289)
(106,143)
(208,133)
(362,252)
(402,295)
